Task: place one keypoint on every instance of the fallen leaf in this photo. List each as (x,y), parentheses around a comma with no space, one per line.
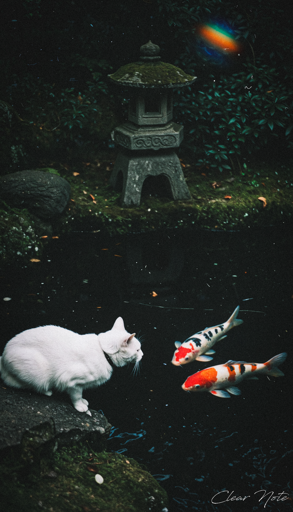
(72,200)
(33,260)
(44,236)
(228,197)
(84,191)
(118,255)
(93,197)
(91,469)
(75,173)
(95,202)
(216,184)
(154,294)
(55,236)
(264,201)
(203,174)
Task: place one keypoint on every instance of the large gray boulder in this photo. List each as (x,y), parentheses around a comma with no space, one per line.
(42,420)
(44,194)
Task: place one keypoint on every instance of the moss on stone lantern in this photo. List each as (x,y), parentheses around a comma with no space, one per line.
(149,136)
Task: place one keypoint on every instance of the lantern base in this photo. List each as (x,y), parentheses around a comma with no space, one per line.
(137,166)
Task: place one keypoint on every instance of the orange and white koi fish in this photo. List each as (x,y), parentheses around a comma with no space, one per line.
(224,376)
(201,343)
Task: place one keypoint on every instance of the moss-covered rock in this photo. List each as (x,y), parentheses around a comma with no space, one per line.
(66,481)
(50,454)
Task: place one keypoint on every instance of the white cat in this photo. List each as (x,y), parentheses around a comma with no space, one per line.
(51,357)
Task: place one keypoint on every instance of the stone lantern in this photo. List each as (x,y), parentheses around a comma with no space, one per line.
(148,139)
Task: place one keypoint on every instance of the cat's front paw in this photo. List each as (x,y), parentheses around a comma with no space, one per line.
(80,406)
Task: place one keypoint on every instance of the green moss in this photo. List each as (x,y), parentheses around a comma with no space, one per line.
(19,234)
(151,74)
(94,205)
(217,202)
(67,482)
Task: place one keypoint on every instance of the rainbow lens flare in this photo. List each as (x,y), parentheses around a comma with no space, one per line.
(218,38)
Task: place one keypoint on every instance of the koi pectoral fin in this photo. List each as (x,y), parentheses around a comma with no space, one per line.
(209,352)
(220,393)
(177,344)
(233,390)
(204,359)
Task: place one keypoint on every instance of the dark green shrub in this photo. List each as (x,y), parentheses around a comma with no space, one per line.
(239,105)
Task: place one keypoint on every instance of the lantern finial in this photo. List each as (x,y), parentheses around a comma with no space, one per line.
(149,51)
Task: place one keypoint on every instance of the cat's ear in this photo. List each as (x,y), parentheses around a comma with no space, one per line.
(119,324)
(128,340)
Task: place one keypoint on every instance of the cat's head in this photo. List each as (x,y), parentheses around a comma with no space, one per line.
(121,346)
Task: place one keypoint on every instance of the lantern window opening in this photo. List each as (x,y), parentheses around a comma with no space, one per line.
(152,103)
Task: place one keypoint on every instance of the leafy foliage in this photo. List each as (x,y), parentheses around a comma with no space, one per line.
(56,97)
(238,105)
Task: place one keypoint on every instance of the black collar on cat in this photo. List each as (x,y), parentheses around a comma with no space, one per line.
(108,358)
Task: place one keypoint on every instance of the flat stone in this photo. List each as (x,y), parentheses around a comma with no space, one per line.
(43,193)
(26,414)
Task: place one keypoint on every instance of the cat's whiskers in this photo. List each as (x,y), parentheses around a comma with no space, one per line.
(136,368)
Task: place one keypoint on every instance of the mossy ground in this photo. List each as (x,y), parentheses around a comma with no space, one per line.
(66,482)
(219,202)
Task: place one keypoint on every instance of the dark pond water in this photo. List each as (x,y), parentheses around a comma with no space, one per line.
(195,445)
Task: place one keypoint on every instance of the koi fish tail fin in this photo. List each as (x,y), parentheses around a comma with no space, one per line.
(233,320)
(271,366)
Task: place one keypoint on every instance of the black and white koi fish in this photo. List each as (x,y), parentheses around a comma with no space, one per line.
(201,343)
(222,377)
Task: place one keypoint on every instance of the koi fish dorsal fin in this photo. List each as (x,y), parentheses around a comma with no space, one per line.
(235,362)
(177,344)
(220,393)
(222,337)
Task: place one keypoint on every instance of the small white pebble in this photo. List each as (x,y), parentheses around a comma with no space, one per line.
(99,479)
(7,299)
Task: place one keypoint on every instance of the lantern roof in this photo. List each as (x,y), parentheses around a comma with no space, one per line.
(151,72)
